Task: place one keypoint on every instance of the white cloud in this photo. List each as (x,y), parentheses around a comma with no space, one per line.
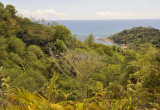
(46,14)
(118,15)
(115,14)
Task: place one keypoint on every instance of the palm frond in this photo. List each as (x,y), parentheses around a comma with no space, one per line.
(32,101)
(53,80)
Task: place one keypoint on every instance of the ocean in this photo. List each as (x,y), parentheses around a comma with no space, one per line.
(104,28)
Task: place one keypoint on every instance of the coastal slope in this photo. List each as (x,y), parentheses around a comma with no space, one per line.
(136,36)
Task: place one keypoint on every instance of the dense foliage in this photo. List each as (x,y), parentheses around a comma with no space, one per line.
(138,35)
(44,67)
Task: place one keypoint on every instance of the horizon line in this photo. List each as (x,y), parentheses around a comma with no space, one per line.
(99,19)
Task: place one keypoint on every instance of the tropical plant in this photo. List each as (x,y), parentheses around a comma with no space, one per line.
(24,99)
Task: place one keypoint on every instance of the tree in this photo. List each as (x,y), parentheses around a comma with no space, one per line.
(16,45)
(1,6)
(4,13)
(36,50)
(89,40)
(62,33)
(3,53)
(30,79)
(11,10)
(79,65)
(130,66)
(59,47)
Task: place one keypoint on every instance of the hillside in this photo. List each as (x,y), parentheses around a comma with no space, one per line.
(44,67)
(137,35)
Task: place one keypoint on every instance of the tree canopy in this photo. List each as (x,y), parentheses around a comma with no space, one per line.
(137,35)
(44,67)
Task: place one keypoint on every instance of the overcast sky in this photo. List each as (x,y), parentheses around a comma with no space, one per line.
(87,9)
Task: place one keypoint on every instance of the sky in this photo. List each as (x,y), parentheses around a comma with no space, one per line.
(86,9)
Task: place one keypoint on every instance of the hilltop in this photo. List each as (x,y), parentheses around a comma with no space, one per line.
(136,36)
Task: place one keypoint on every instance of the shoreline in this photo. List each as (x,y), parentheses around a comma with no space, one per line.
(109,40)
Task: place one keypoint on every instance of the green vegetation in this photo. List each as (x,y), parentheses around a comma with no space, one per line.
(138,35)
(44,67)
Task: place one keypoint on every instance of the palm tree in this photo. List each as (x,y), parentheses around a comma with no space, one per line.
(129,67)
(34,101)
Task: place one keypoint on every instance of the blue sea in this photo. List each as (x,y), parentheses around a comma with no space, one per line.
(105,28)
